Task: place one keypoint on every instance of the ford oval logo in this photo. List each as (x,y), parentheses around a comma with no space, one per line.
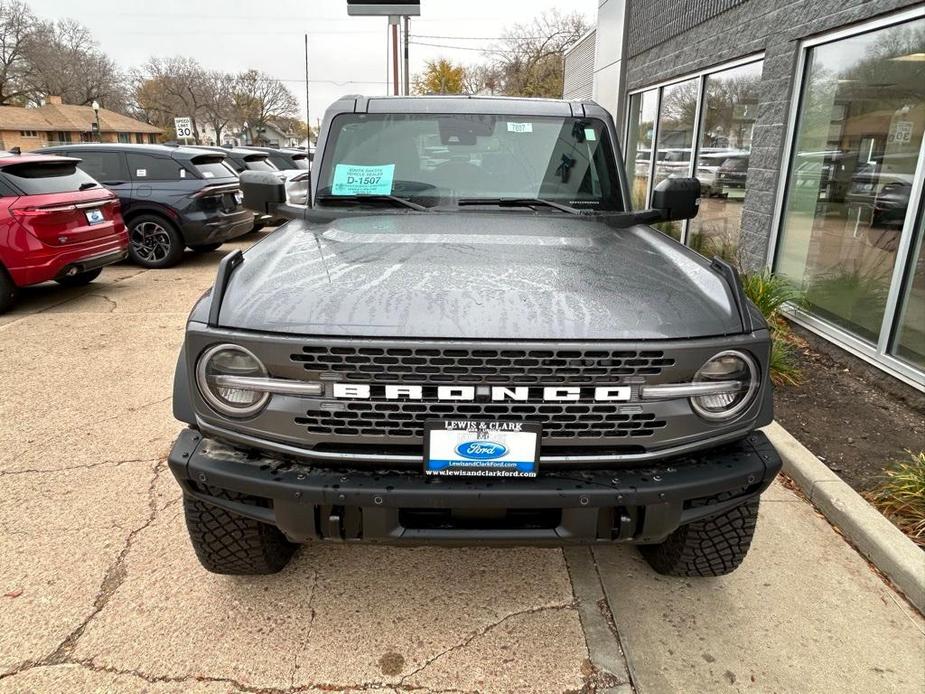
(481,450)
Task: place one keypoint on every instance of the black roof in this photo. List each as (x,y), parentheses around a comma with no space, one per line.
(491,105)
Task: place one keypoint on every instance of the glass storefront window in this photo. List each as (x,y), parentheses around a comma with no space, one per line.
(856,152)
(728,117)
(675,138)
(909,343)
(639,145)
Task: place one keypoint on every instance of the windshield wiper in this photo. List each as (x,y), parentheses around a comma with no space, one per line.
(388,199)
(518,202)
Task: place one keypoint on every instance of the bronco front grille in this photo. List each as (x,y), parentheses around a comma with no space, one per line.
(406,419)
(478,365)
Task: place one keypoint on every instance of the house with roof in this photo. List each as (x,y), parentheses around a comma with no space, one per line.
(57,123)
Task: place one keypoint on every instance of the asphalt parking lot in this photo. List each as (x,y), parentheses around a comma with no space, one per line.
(100,590)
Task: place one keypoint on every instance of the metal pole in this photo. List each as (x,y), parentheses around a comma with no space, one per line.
(407,73)
(308,122)
(395,59)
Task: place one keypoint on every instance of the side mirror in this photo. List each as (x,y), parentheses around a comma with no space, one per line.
(677,198)
(263,191)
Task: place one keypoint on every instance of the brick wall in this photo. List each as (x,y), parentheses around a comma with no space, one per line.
(672,38)
(14,138)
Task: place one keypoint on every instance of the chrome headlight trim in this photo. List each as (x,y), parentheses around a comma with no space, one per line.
(214,401)
(751,390)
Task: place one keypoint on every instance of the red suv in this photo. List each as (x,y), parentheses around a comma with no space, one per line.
(56,223)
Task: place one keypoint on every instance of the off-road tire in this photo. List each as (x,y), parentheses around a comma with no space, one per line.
(714,546)
(8,291)
(168,250)
(205,247)
(80,279)
(227,543)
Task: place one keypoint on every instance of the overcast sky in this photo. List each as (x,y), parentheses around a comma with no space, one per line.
(347,55)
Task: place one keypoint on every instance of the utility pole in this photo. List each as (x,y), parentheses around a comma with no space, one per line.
(308,121)
(407,76)
(393,21)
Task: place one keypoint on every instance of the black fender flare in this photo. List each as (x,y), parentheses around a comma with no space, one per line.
(182,395)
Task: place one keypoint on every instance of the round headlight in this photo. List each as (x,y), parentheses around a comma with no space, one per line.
(230,360)
(739,372)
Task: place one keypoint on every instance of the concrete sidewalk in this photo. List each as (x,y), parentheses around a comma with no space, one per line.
(100,590)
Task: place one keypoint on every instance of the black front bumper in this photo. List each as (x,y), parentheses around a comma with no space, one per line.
(638,504)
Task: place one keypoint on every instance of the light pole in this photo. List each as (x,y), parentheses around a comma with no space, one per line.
(96,112)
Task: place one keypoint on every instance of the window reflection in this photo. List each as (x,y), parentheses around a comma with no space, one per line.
(859,131)
(729,113)
(639,145)
(910,333)
(675,138)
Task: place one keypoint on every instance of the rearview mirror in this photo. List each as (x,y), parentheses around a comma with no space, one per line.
(263,191)
(677,198)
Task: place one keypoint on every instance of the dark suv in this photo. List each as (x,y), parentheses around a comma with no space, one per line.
(172,197)
(487,347)
(285,158)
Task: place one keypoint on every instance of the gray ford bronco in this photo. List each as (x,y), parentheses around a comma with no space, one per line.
(467,337)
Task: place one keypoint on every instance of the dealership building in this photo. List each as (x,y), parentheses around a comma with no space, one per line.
(803,120)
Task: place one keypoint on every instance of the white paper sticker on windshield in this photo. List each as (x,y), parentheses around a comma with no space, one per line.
(141,173)
(182,173)
(363,180)
(520,127)
(590,135)
(205,174)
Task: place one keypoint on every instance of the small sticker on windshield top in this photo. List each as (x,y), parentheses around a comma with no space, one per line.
(363,180)
(520,127)
(590,135)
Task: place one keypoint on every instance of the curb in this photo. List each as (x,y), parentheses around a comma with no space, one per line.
(867,529)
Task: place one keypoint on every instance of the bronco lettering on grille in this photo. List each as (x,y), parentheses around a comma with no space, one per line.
(363,391)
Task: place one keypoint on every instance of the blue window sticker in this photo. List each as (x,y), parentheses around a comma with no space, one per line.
(590,135)
(350,179)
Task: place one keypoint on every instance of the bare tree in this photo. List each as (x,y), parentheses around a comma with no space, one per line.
(260,99)
(63,59)
(530,61)
(218,92)
(169,87)
(17,24)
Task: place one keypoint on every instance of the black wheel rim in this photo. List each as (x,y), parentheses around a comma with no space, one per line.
(150,241)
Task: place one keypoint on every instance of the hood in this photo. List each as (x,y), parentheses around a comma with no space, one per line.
(477,275)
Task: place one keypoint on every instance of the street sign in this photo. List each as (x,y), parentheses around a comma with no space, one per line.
(383,8)
(184,127)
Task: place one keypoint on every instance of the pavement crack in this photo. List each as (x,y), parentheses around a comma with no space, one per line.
(87,466)
(112,580)
(484,630)
(308,636)
(112,304)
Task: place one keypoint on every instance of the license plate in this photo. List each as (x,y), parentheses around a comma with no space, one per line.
(95,216)
(480,448)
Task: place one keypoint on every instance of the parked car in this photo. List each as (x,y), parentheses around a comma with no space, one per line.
(172,197)
(242,159)
(489,350)
(732,172)
(56,223)
(295,164)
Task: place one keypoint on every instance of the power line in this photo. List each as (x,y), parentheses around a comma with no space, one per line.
(458,48)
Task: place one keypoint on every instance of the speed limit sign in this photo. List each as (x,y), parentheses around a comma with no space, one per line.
(184,127)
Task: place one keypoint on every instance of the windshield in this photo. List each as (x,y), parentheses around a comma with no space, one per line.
(283,162)
(213,167)
(259,164)
(440,159)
